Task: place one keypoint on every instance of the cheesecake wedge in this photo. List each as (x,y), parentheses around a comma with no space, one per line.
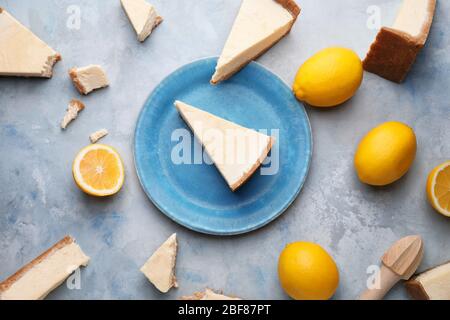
(208,294)
(433,284)
(395,49)
(236,151)
(142,16)
(22,53)
(259,25)
(38,278)
(160,267)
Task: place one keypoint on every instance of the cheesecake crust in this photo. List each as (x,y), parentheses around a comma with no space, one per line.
(201,295)
(416,290)
(393,52)
(22,271)
(423,36)
(47,70)
(78,104)
(158,21)
(77,83)
(250,173)
(291,6)
(194,296)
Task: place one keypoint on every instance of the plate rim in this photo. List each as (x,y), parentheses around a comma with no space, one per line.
(244,230)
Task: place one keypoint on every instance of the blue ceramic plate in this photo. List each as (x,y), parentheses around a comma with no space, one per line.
(195,195)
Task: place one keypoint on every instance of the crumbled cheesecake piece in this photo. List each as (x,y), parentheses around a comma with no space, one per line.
(89,78)
(97,135)
(75,106)
(208,294)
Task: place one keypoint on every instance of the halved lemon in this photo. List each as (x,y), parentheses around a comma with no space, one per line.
(98,170)
(438,188)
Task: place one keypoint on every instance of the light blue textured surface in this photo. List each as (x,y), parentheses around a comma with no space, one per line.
(355,223)
(195,195)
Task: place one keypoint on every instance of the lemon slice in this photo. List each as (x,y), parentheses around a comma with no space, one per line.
(98,170)
(438,188)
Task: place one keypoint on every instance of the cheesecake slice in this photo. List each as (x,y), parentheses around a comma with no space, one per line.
(208,294)
(160,267)
(142,16)
(89,78)
(42,275)
(395,49)
(236,151)
(258,26)
(22,53)
(433,284)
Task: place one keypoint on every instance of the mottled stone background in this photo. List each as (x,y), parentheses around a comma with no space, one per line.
(40,203)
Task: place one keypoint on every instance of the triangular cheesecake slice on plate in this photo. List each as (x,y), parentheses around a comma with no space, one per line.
(160,267)
(142,16)
(236,151)
(22,53)
(258,26)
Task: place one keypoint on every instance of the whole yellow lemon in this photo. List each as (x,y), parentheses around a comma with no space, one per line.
(385,154)
(329,78)
(307,272)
